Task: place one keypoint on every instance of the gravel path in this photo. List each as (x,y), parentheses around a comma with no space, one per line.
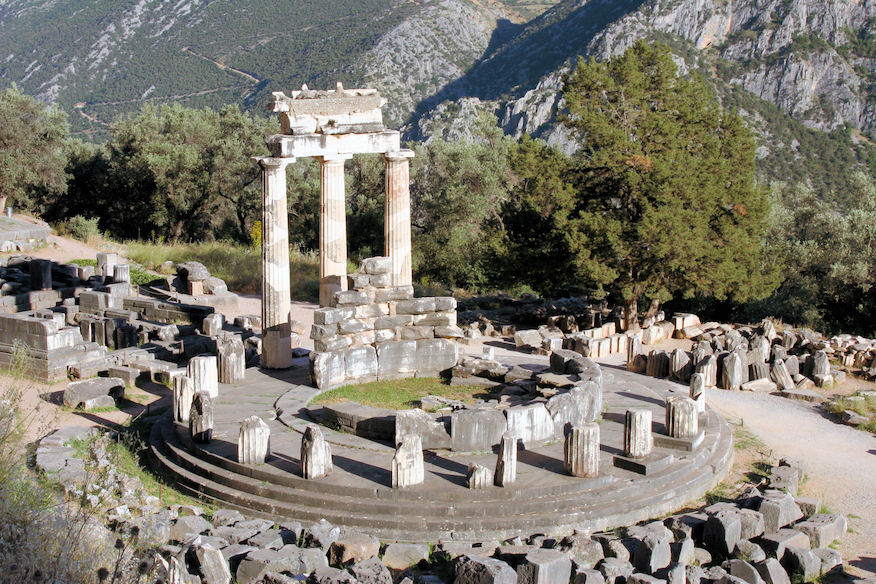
(840,461)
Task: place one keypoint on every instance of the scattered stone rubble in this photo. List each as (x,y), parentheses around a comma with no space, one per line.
(765,536)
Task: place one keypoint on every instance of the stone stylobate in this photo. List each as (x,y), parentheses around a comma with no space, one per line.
(332,126)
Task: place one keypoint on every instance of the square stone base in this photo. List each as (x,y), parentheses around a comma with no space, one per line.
(688,444)
(644,466)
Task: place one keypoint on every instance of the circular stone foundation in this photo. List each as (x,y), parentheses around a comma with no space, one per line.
(357,494)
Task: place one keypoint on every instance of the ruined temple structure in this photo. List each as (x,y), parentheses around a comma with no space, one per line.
(331,126)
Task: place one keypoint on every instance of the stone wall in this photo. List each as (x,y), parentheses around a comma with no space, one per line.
(377,331)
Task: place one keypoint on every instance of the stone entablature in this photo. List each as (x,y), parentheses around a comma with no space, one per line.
(378,331)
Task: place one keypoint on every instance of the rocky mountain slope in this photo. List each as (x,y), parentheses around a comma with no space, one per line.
(789,65)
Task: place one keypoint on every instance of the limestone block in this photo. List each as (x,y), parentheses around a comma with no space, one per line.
(637,433)
(802,565)
(793,365)
(474,430)
(396,359)
(483,570)
(391,322)
(204,372)
(371,571)
(778,509)
(506,465)
(231,360)
(352,547)
(581,450)
(105,263)
(254,441)
(745,571)
(355,325)
(722,532)
(652,335)
(758,370)
(376,265)
(565,361)
(414,333)
(478,476)
(316,454)
(90,393)
(328,369)
(415,306)
(183,394)
(733,375)
(346,298)
(407,463)
(432,433)
(823,529)
(445,303)
(615,570)
(682,417)
(658,364)
(448,332)
(776,544)
(394,293)
(544,566)
(772,572)
(653,553)
(212,565)
(331,316)
(400,556)
(760,350)
(820,364)
(436,354)
(531,423)
(360,363)
(201,417)
(527,339)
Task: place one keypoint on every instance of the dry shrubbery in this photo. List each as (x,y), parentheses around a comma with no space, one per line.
(45,538)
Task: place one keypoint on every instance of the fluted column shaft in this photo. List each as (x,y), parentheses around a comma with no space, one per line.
(397,216)
(332,228)
(276,329)
(637,433)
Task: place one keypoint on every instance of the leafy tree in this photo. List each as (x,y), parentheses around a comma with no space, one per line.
(33,139)
(667,202)
(457,191)
(192,170)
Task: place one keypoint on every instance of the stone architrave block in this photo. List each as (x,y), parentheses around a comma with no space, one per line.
(90,393)
(328,369)
(232,360)
(316,454)
(478,476)
(475,430)
(581,404)
(408,468)
(506,465)
(396,359)
(532,423)
(254,441)
(201,417)
(360,363)
(581,450)
(436,354)
(203,370)
(432,433)
(183,394)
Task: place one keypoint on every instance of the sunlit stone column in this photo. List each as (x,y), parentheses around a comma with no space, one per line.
(332,228)
(682,417)
(637,433)
(397,216)
(581,450)
(276,329)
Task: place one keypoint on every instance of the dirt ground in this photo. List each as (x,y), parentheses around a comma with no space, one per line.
(840,461)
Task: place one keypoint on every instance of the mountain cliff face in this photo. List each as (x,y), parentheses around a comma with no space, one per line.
(441,62)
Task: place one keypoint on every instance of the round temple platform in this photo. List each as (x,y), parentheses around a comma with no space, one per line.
(358,494)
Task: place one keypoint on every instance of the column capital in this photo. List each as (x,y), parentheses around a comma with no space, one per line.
(272,162)
(399,155)
(329,158)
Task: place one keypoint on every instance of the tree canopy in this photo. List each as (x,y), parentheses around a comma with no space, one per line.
(666,199)
(33,139)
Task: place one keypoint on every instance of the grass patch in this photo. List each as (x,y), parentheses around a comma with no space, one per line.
(743,439)
(139,276)
(400,394)
(861,404)
(239,265)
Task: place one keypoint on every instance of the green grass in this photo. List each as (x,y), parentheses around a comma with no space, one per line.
(864,406)
(139,276)
(400,394)
(240,266)
(743,439)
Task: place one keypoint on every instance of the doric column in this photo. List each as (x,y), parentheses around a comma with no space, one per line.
(276,329)
(581,450)
(682,417)
(332,228)
(397,216)
(637,433)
